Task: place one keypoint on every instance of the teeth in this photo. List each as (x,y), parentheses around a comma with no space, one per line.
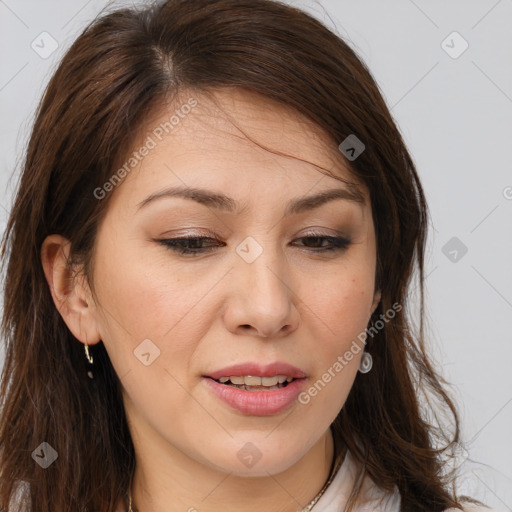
(249,380)
(252,380)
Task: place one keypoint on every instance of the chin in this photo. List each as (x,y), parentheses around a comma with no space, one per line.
(251,461)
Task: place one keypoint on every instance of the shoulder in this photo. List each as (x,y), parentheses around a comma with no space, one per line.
(381,501)
(372,498)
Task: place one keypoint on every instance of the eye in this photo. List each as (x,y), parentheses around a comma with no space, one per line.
(195,245)
(337,243)
(187,245)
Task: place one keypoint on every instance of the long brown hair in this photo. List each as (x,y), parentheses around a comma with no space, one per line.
(124,65)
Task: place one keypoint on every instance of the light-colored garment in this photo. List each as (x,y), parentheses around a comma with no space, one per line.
(333,499)
(373,498)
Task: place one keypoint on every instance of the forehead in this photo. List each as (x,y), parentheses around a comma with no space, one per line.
(242,119)
(235,139)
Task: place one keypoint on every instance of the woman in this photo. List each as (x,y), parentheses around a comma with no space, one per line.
(208,262)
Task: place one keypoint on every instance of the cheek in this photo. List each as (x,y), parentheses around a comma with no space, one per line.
(143,296)
(148,310)
(344,303)
(148,300)
(343,310)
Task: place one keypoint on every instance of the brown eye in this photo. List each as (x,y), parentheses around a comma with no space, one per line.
(187,245)
(336,243)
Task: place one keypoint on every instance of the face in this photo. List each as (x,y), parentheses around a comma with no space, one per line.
(286,290)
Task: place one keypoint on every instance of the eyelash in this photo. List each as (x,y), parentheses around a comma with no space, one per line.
(338,244)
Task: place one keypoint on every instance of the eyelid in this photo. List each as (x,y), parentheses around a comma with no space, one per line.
(202,232)
(192,232)
(319,231)
(338,244)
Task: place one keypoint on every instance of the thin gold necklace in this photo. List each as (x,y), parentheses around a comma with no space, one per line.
(334,470)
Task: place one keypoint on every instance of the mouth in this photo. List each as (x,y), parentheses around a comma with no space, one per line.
(256,389)
(255,383)
(255,395)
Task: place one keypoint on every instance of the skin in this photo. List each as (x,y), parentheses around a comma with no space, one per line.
(293,304)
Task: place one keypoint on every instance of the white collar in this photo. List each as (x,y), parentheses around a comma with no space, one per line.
(336,495)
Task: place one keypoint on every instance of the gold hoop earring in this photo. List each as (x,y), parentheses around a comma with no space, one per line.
(89,357)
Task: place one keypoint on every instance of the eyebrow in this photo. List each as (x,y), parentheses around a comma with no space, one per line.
(221,201)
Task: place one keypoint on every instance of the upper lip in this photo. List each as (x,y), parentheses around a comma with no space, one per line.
(258,370)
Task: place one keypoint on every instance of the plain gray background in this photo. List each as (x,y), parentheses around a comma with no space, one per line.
(454,107)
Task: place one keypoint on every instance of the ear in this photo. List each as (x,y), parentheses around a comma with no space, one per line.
(376,299)
(71,293)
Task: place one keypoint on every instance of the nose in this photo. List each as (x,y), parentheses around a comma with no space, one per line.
(262,298)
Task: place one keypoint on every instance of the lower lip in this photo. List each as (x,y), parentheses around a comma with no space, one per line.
(257,403)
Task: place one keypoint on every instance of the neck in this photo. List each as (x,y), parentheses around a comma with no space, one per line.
(194,486)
